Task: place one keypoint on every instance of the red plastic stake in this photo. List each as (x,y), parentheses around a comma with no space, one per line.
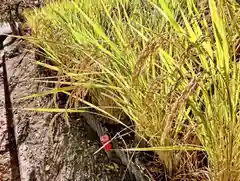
(105,140)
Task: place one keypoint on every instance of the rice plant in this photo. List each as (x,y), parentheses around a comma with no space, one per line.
(170,66)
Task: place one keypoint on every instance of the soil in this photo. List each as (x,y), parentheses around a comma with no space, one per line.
(46,147)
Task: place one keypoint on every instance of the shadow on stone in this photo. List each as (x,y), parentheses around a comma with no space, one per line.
(11,146)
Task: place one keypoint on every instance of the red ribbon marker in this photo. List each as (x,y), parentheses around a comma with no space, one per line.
(105,140)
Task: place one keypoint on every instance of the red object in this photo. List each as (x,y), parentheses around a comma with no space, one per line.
(105,140)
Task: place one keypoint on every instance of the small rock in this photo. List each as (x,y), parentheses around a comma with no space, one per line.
(7,40)
(24,148)
(47,168)
(5,28)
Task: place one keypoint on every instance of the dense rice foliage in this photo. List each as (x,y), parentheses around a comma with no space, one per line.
(171,66)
